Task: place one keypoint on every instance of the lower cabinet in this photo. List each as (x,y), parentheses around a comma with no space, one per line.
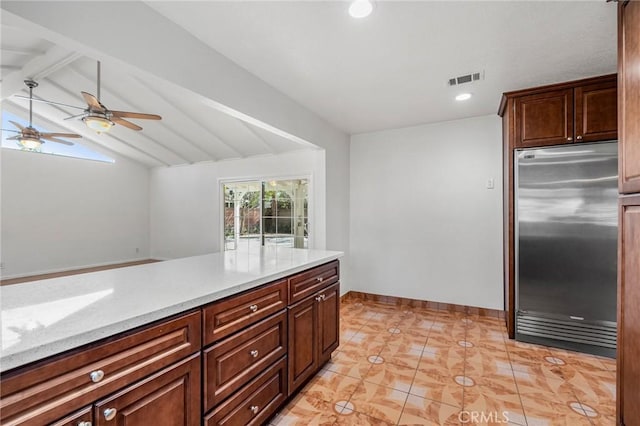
(170,397)
(314,331)
(259,348)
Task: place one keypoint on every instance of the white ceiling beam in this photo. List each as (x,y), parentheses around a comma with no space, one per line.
(36,69)
(21,52)
(270,148)
(210,134)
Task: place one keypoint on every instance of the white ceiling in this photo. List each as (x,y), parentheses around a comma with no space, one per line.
(390,69)
(386,71)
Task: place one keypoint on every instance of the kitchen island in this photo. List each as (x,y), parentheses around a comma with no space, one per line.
(250,326)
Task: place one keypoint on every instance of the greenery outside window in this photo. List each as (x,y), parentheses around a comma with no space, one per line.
(266,213)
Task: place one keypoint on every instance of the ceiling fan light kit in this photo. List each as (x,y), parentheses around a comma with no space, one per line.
(98,123)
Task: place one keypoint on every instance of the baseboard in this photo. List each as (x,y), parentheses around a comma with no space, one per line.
(74,271)
(351,296)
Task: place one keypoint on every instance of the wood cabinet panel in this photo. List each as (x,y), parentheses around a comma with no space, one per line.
(544,118)
(628,313)
(230,364)
(254,403)
(83,417)
(303,337)
(596,109)
(328,322)
(629,96)
(230,315)
(170,397)
(42,394)
(307,283)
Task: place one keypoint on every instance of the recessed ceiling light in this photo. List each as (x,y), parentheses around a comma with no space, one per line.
(360,8)
(463,96)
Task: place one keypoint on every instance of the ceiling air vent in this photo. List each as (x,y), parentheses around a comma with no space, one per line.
(469,78)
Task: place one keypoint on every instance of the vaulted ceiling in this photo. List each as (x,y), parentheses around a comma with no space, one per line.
(385,71)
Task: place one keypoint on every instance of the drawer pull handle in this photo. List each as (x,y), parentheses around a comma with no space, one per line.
(318,299)
(253,308)
(323,296)
(254,353)
(110,413)
(96,376)
(254,409)
(84,424)
(320,279)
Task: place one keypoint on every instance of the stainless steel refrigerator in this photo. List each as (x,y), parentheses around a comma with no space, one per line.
(566,246)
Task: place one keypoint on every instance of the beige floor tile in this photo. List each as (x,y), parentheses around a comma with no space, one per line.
(379,402)
(498,404)
(331,387)
(306,411)
(353,418)
(441,388)
(421,411)
(356,370)
(390,375)
(406,355)
(547,413)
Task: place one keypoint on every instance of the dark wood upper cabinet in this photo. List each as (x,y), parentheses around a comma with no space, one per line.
(544,118)
(596,110)
(629,99)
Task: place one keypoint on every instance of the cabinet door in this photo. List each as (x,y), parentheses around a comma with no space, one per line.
(629,95)
(303,342)
(544,118)
(628,313)
(328,322)
(170,397)
(596,108)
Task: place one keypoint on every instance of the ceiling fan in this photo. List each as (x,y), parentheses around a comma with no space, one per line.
(29,137)
(99,118)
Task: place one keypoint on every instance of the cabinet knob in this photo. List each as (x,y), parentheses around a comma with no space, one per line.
(254,409)
(579,138)
(323,296)
(320,279)
(110,413)
(253,308)
(96,376)
(84,424)
(318,299)
(569,138)
(254,353)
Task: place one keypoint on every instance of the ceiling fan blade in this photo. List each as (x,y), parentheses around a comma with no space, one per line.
(59,135)
(48,138)
(93,102)
(15,138)
(125,123)
(49,102)
(19,126)
(139,115)
(11,130)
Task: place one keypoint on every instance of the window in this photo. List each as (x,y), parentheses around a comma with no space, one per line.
(266,213)
(77,150)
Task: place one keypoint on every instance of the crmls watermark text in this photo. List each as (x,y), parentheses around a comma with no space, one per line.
(474,417)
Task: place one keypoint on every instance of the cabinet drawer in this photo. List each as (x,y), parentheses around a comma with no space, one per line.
(228,316)
(49,391)
(82,417)
(308,282)
(256,402)
(230,364)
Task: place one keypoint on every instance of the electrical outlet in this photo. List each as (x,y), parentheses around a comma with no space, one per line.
(490,183)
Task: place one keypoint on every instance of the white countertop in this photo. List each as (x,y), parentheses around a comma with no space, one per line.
(47,317)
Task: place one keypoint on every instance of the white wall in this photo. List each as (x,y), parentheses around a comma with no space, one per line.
(64,213)
(423,223)
(186,200)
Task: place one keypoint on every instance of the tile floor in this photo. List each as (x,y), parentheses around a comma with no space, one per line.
(412,366)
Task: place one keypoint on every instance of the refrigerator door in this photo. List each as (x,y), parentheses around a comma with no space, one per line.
(566,246)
